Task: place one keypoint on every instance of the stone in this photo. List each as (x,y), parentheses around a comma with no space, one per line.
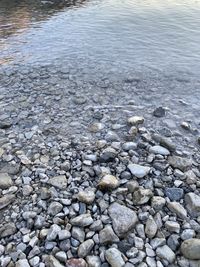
(6,200)
(61,256)
(172,226)
(159,112)
(114,257)
(93,261)
(22,263)
(166,253)
(178,209)
(51,261)
(151,227)
(187,234)
(76,263)
(159,150)
(190,249)
(107,235)
(108,182)
(192,202)
(157,203)
(64,234)
(53,232)
(7,229)
(164,141)
(78,234)
(123,218)
(138,170)
(82,220)
(108,155)
(174,194)
(59,182)
(142,196)
(5,181)
(135,120)
(173,242)
(85,248)
(180,163)
(87,196)
(54,208)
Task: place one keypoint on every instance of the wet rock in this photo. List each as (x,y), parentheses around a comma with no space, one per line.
(123,218)
(159,150)
(138,170)
(192,202)
(174,194)
(5,181)
(191,249)
(7,230)
(135,120)
(6,200)
(76,263)
(108,182)
(180,163)
(166,253)
(58,181)
(82,220)
(87,196)
(114,257)
(107,235)
(85,248)
(142,196)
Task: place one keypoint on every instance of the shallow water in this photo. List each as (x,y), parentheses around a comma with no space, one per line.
(104,35)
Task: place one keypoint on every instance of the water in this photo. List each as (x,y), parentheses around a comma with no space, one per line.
(105,35)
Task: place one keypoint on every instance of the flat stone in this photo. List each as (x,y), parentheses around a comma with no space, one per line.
(85,248)
(138,170)
(166,253)
(6,200)
(108,182)
(174,194)
(87,196)
(107,235)
(5,181)
(193,204)
(114,257)
(159,150)
(82,220)
(142,196)
(123,218)
(178,209)
(58,181)
(180,163)
(191,249)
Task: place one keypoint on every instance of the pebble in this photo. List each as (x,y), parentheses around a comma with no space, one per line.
(192,201)
(114,257)
(174,194)
(190,248)
(159,150)
(108,182)
(166,253)
(138,170)
(85,248)
(5,181)
(135,120)
(87,196)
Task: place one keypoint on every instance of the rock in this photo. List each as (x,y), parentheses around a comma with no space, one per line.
(61,256)
(187,234)
(192,202)
(159,112)
(151,227)
(172,226)
(85,248)
(93,261)
(178,209)
(76,263)
(142,196)
(166,253)
(5,181)
(174,194)
(191,249)
(138,170)
(180,163)
(78,234)
(107,235)
(159,150)
(51,261)
(108,155)
(108,182)
(158,203)
(82,220)
(114,257)
(59,182)
(6,200)
(53,232)
(87,196)
(7,229)
(123,218)
(135,120)
(54,208)
(22,263)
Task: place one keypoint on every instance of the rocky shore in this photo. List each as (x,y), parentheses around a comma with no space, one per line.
(94,178)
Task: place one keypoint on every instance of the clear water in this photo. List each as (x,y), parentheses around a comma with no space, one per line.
(103,34)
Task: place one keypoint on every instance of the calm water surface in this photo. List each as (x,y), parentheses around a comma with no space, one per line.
(106,34)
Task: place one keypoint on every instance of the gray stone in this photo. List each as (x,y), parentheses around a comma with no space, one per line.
(107,235)
(51,261)
(159,150)
(193,204)
(53,232)
(85,248)
(191,249)
(5,181)
(166,253)
(54,208)
(135,120)
(78,234)
(93,261)
(151,227)
(174,194)
(114,257)
(58,181)
(7,229)
(180,163)
(108,182)
(123,218)
(6,200)
(138,170)
(87,196)
(82,220)
(178,209)
(142,196)
(22,263)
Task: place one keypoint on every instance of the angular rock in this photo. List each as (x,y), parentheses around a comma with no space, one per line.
(114,257)
(138,170)
(108,182)
(178,209)
(192,202)
(180,163)
(142,196)
(59,182)
(107,235)
(5,181)
(123,218)
(174,194)
(157,203)
(85,248)
(54,208)
(82,220)
(159,112)
(191,249)
(6,200)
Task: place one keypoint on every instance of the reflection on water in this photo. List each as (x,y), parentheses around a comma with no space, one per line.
(103,34)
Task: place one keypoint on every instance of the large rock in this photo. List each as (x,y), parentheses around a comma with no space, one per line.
(108,154)
(138,170)
(191,249)
(180,163)
(123,218)
(114,257)
(85,248)
(6,200)
(142,196)
(193,204)
(59,181)
(5,181)
(108,182)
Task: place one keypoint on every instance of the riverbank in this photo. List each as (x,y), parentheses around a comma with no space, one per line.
(98,170)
